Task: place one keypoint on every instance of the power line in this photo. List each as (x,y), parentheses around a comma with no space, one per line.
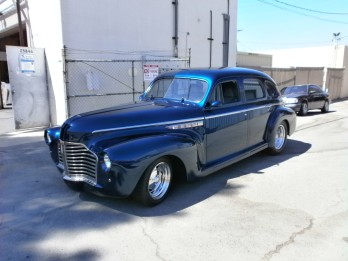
(309,10)
(293,11)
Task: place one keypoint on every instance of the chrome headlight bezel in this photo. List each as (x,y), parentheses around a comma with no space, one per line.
(107,162)
(48,138)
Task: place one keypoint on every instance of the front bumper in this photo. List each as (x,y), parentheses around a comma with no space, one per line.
(295,106)
(78,164)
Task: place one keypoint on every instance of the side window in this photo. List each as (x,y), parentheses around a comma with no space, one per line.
(159,88)
(226,92)
(253,89)
(272,89)
(230,92)
(314,89)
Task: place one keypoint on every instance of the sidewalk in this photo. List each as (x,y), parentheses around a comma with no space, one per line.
(6,121)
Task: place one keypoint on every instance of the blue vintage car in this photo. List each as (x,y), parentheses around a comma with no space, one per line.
(189,123)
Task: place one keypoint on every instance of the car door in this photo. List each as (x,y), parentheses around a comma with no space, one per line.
(258,107)
(317,97)
(226,122)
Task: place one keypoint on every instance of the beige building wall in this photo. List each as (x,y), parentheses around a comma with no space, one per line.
(325,56)
(245,59)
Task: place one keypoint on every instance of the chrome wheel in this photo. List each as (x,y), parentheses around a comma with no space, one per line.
(280,137)
(304,109)
(159,180)
(155,183)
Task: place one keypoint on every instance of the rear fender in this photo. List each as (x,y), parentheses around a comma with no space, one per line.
(278,115)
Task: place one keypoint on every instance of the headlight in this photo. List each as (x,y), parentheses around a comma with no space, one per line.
(290,100)
(107,162)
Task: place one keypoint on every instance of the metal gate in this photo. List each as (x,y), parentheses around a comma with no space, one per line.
(97,84)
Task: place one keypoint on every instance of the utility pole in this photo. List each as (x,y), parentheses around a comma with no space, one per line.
(335,40)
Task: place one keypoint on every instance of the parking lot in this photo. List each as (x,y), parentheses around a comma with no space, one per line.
(288,207)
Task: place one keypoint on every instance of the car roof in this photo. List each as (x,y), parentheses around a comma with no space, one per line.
(215,74)
(300,85)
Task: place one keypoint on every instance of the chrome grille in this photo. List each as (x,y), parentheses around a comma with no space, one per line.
(80,164)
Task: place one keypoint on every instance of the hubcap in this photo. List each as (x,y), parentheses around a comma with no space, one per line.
(305,107)
(159,180)
(280,137)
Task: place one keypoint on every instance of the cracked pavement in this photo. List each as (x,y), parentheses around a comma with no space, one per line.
(288,207)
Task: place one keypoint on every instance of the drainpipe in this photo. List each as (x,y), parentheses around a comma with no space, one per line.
(176,21)
(21,37)
(211,38)
(226,36)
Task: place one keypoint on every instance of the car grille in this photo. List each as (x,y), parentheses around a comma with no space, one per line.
(80,164)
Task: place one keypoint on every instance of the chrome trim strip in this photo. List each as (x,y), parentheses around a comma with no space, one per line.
(182,121)
(186,125)
(240,111)
(150,125)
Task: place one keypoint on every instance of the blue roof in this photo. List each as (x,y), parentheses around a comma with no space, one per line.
(215,74)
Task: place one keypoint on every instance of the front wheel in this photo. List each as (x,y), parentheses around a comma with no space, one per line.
(325,109)
(279,137)
(304,109)
(154,185)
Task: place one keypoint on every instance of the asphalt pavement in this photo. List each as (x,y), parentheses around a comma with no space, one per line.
(288,207)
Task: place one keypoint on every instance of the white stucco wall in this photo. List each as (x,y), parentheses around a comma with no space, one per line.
(134,28)
(308,57)
(125,29)
(46,32)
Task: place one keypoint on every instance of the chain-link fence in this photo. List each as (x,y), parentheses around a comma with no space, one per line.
(98,84)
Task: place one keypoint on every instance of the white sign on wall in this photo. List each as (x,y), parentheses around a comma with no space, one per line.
(151,71)
(27,60)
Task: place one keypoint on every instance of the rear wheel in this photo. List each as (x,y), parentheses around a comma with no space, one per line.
(279,137)
(304,109)
(326,107)
(154,185)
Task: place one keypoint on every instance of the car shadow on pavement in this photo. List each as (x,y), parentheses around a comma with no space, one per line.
(187,194)
(315,113)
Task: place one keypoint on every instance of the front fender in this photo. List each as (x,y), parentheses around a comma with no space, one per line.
(130,159)
(280,114)
(51,137)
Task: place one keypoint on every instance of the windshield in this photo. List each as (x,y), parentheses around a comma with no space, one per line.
(302,89)
(178,89)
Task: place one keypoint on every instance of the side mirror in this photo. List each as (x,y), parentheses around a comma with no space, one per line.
(213,104)
(216,104)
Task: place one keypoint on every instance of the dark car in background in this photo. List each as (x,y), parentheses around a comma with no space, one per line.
(302,98)
(188,124)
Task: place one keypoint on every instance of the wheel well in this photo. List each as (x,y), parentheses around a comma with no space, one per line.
(179,169)
(287,126)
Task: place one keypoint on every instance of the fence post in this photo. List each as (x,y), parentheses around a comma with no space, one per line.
(133,87)
(65,75)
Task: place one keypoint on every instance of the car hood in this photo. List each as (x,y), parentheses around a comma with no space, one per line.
(131,116)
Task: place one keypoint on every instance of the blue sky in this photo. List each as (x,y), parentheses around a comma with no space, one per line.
(280,24)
